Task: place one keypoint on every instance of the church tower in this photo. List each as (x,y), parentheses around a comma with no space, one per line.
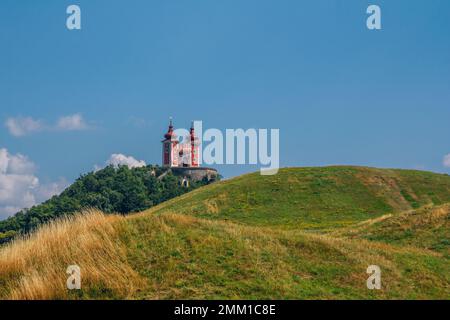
(169,145)
(194,146)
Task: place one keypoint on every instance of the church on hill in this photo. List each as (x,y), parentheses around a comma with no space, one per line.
(176,154)
(183,158)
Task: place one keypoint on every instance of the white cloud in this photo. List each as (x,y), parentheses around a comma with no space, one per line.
(48,190)
(118,159)
(72,123)
(19,186)
(446,161)
(19,127)
(20,164)
(15,164)
(123,160)
(17,190)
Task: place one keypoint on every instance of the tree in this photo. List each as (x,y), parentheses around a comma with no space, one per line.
(112,190)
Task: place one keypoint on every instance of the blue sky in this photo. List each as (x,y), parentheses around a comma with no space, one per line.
(338,92)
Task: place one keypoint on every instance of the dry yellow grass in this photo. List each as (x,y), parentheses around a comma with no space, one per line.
(185,257)
(35,267)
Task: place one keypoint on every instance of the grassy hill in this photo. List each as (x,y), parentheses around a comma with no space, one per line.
(427,227)
(306,233)
(313,198)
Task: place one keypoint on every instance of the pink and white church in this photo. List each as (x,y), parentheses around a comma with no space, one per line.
(176,154)
(183,158)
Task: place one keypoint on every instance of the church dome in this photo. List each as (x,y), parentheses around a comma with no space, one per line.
(170,134)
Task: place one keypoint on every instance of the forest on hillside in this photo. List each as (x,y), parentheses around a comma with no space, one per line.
(111,190)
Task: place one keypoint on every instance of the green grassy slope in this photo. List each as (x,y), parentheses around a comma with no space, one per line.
(262,237)
(427,227)
(313,198)
(251,237)
(183,257)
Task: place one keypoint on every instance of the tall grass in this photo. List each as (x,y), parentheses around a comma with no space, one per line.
(185,257)
(245,238)
(34,267)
